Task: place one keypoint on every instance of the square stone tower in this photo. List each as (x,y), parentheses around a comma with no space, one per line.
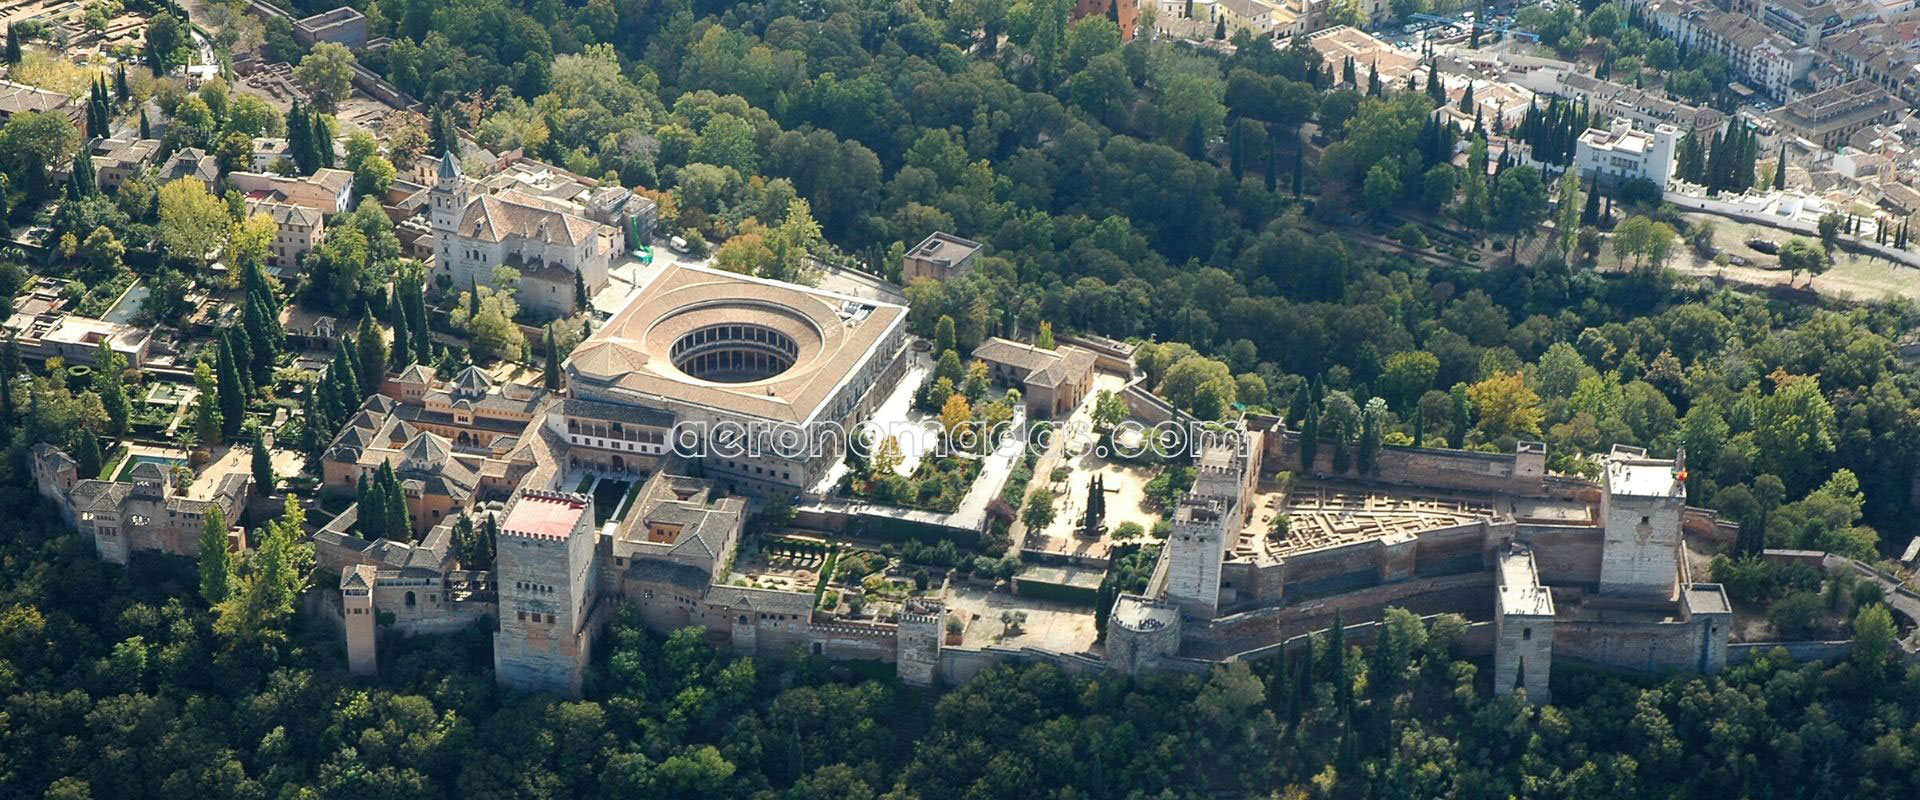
(1207,521)
(356,603)
(1522,627)
(917,642)
(546,582)
(1640,505)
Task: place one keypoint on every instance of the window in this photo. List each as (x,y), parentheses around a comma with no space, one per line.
(1526,634)
(1644,519)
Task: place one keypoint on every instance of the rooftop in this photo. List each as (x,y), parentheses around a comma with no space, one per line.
(1520,589)
(822,339)
(1631,474)
(550,515)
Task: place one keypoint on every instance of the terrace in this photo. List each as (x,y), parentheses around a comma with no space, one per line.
(1323,515)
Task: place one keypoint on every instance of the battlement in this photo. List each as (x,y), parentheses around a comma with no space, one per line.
(922,612)
(545,515)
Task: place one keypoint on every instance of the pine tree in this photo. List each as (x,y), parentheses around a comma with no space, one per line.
(87,455)
(552,376)
(263,480)
(233,398)
(216,561)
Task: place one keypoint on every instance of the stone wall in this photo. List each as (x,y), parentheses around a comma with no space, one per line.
(1741,653)
(1469,595)
(1642,646)
(1565,554)
(1461,470)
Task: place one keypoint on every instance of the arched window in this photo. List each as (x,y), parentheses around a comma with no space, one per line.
(410,600)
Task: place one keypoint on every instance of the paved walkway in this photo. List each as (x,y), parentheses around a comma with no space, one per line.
(1898,596)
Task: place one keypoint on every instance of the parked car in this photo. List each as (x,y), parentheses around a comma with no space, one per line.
(1768,246)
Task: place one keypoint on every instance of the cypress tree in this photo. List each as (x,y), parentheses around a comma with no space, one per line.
(1347,73)
(1237,153)
(370,509)
(1273,164)
(14,53)
(373,353)
(1591,214)
(580,298)
(1434,92)
(233,399)
(347,366)
(262,464)
(1197,141)
(1780,168)
(399,525)
(1373,80)
(1467,104)
(299,139)
(1299,167)
(401,354)
(120,89)
(322,140)
(87,455)
(242,347)
(146,128)
(1220,29)
(552,376)
(422,330)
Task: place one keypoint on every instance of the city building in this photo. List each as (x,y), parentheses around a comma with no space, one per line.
(297,230)
(43,328)
(1759,55)
(938,257)
(1828,118)
(115,161)
(146,512)
(553,247)
(1803,21)
(764,377)
(342,25)
(1052,382)
(18,98)
(327,190)
(191,162)
(1621,152)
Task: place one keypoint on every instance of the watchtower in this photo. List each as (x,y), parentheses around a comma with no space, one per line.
(1523,627)
(356,604)
(917,643)
(1640,503)
(546,583)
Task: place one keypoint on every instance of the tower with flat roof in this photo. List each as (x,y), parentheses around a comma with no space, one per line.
(544,575)
(1640,503)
